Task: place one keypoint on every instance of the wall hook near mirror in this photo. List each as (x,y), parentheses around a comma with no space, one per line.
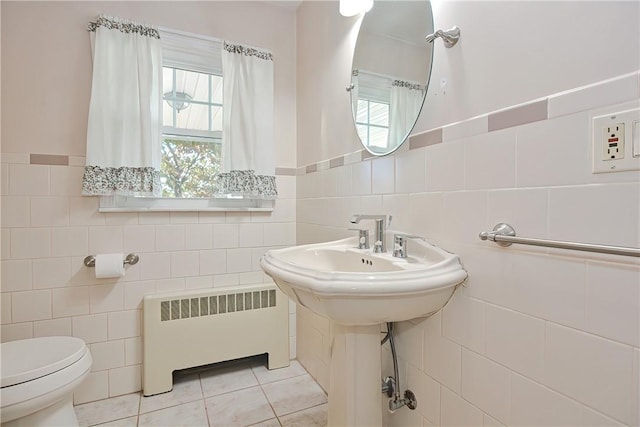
(449,37)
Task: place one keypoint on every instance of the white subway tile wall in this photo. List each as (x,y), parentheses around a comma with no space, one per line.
(536,336)
(381,169)
(48,229)
(47,328)
(410,174)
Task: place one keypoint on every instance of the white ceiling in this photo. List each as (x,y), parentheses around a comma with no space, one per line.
(410,21)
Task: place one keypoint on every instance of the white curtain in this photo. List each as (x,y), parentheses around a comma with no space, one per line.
(123,135)
(247,133)
(404,105)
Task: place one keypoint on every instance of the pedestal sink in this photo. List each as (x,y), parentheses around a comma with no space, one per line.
(358,290)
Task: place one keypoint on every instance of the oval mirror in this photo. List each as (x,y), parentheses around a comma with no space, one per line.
(390,72)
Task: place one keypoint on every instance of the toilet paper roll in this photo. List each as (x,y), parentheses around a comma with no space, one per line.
(109,265)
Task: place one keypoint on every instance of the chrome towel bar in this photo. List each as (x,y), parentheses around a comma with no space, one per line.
(504,235)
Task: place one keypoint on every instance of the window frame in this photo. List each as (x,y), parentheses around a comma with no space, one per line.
(370,125)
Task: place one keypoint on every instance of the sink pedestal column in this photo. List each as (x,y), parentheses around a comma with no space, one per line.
(355,389)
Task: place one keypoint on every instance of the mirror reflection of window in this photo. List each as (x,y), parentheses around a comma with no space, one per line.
(386,108)
(372,109)
(372,122)
(391,49)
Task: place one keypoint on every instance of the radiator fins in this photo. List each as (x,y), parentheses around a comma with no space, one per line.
(185,308)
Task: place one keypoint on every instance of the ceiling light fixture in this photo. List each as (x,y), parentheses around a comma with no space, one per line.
(179,101)
(355,7)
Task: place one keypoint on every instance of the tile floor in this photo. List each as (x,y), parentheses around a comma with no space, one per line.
(239,393)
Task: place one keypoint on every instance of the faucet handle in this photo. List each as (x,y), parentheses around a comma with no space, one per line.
(400,244)
(363,237)
(407,236)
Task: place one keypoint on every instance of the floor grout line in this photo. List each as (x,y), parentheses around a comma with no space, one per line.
(275,414)
(204,401)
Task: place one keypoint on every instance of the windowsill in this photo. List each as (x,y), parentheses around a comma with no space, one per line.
(169,204)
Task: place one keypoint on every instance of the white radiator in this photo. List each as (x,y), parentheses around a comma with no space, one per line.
(194,328)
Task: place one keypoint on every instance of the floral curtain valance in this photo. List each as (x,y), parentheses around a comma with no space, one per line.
(123,133)
(407,85)
(245,183)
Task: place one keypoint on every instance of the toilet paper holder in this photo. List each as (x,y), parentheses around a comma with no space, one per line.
(131,259)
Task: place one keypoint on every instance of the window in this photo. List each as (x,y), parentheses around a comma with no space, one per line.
(372,122)
(191,133)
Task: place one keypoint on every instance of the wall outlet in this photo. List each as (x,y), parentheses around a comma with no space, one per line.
(609,132)
(613,142)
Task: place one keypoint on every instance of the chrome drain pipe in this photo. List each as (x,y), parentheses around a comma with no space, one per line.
(391,383)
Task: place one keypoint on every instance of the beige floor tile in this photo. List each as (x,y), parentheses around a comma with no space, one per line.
(106,410)
(224,380)
(312,417)
(186,388)
(239,408)
(188,414)
(265,375)
(225,396)
(294,394)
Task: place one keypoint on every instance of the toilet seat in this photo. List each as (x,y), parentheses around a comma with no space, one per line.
(43,378)
(26,360)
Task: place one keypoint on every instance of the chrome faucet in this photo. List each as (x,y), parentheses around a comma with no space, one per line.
(378,245)
(400,244)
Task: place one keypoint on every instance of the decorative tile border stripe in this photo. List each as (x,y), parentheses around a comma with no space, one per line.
(322,165)
(15,158)
(471,127)
(286,171)
(70,160)
(609,92)
(48,159)
(600,94)
(520,115)
(336,162)
(366,155)
(612,91)
(355,157)
(425,139)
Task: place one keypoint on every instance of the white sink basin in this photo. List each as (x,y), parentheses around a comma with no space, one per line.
(357,287)
(358,290)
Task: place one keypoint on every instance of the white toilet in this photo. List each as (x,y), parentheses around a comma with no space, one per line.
(39,376)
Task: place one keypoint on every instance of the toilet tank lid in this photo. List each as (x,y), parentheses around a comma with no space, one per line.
(26,360)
